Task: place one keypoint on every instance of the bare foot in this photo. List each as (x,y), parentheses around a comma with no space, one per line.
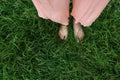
(78,31)
(63,32)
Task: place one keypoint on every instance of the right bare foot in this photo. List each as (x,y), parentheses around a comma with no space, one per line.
(63,32)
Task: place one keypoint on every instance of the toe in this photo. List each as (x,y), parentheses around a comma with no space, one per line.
(62,36)
(80,38)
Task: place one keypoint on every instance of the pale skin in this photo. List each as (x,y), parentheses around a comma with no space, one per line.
(85,12)
(78,32)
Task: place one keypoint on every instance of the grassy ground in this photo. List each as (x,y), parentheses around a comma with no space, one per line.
(30,48)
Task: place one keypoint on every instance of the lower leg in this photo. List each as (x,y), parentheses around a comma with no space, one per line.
(87,11)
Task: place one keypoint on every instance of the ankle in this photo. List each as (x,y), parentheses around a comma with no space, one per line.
(64,26)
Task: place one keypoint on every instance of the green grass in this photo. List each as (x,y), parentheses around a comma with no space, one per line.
(30,48)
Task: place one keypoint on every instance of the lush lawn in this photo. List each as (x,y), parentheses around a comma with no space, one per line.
(30,48)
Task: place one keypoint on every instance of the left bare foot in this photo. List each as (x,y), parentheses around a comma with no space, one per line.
(78,31)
